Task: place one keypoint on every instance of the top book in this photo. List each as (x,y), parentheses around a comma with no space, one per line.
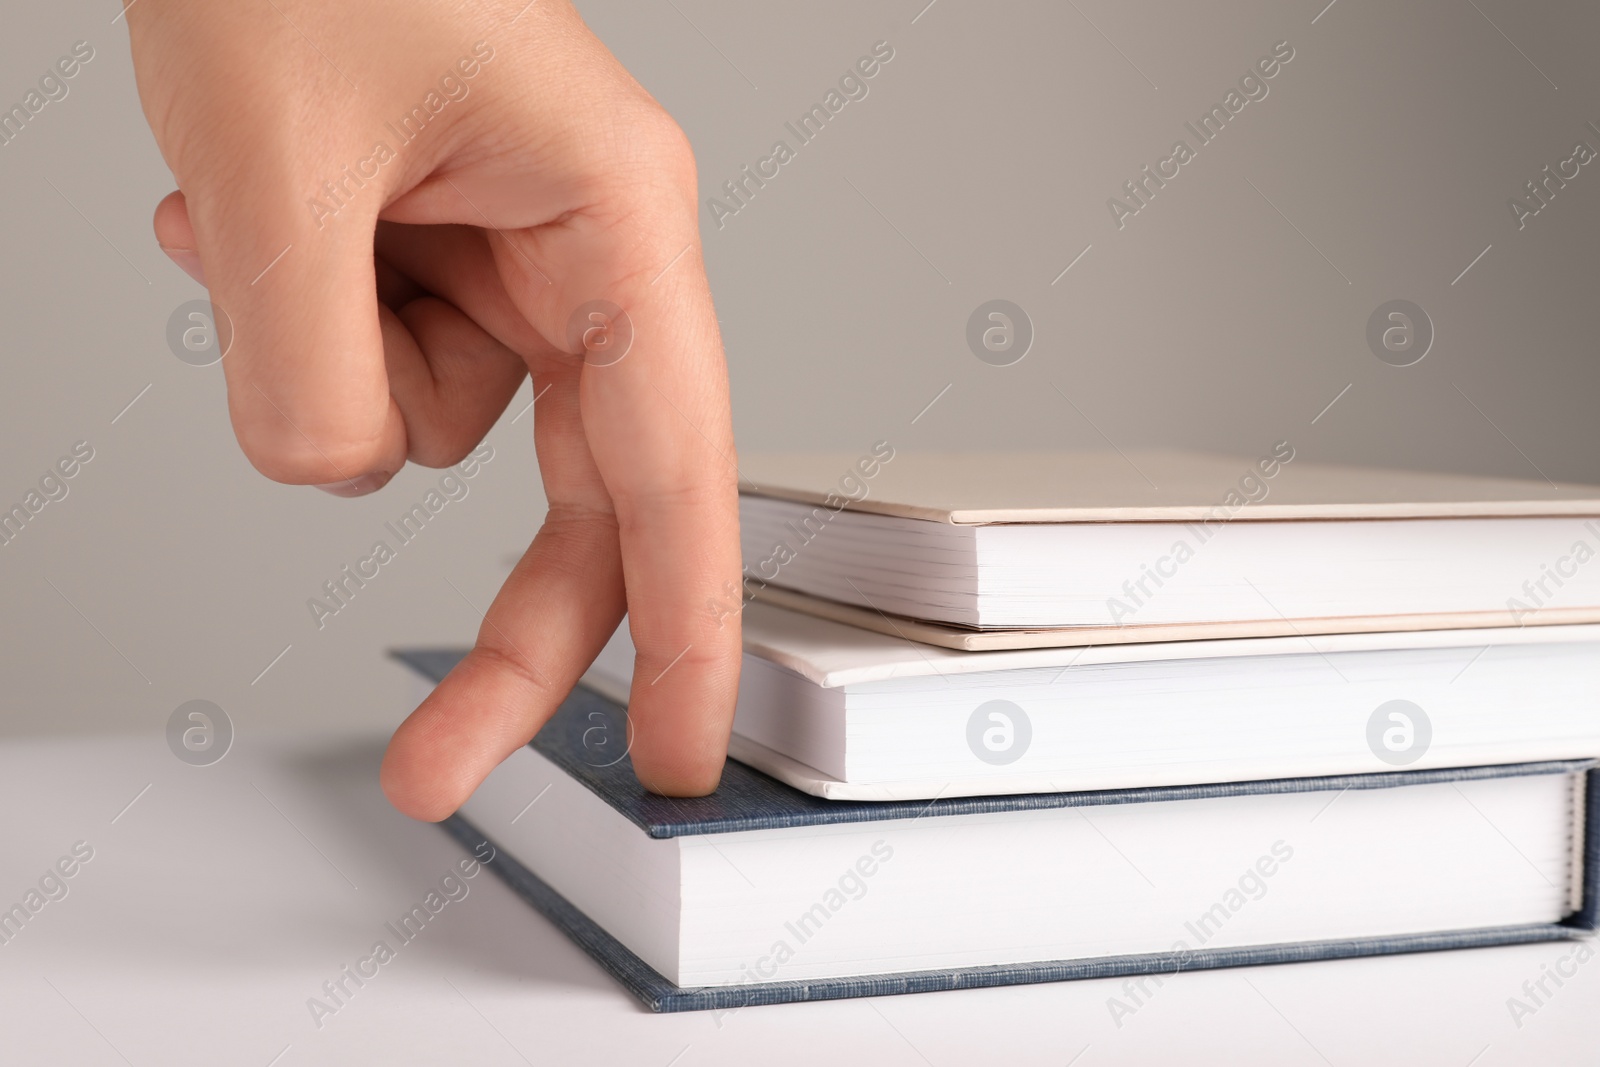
(1001,550)
(976,488)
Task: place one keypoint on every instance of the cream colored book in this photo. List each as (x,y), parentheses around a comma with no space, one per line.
(847,714)
(1013,550)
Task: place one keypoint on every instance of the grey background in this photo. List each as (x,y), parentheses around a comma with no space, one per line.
(1223,316)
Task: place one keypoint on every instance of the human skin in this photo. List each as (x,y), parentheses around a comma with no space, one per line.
(400,326)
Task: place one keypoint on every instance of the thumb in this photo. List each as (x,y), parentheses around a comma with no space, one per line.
(307,390)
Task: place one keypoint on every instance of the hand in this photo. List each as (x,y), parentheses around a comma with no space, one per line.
(401,209)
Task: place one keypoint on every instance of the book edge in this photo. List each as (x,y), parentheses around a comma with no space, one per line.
(842,811)
(962,639)
(659,994)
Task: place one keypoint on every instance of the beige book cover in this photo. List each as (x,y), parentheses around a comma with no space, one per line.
(957,637)
(1143,486)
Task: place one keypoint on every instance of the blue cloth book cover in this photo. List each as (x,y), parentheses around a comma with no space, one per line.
(749,800)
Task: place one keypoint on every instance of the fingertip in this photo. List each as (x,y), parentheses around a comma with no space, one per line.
(681,785)
(358,486)
(352,457)
(175,235)
(672,775)
(412,791)
(187,260)
(171,223)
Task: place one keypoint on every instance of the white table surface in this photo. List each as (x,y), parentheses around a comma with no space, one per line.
(224,896)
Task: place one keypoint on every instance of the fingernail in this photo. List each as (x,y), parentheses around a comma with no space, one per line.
(189,260)
(367,483)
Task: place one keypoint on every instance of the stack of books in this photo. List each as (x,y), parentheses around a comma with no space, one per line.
(1033,717)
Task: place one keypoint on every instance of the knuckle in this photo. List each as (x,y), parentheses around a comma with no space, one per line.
(698,658)
(670,150)
(295,458)
(584,541)
(501,657)
(441,449)
(647,156)
(710,500)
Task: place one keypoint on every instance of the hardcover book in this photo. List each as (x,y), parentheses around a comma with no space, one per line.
(848,714)
(1014,550)
(761,894)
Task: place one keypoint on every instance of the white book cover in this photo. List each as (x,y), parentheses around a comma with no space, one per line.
(853,715)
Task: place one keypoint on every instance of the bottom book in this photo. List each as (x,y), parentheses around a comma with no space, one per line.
(761,894)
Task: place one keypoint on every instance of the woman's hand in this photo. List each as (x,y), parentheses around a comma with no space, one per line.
(404,209)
